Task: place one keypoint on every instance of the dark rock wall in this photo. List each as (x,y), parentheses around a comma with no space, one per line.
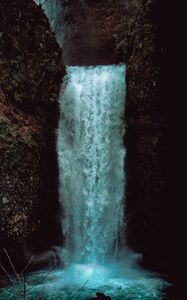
(148,223)
(30,77)
(95,32)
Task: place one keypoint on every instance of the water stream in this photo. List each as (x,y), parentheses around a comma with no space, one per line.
(91,156)
(91,160)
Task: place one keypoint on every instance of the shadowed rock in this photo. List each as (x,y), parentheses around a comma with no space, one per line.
(100,296)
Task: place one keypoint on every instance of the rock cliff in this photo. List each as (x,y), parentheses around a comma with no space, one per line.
(30,77)
(147,161)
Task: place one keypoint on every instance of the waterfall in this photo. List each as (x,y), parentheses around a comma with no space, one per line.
(91,161)
(53,10)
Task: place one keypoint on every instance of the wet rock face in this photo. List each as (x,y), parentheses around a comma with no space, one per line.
(95,32)
(30,77)
(29,55)
(147,139)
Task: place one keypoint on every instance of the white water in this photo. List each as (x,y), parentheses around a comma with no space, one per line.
(91,159)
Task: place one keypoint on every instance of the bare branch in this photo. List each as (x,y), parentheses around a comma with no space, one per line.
(13,293)
(21,277)
(43,2)
(28,264)
(11,280)
(40,281)
(24,287)
(11,263)
(78,291)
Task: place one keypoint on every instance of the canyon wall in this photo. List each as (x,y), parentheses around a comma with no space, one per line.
(30,77)
(148,224)
(95,32)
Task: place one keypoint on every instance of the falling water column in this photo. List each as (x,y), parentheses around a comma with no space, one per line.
(91,159)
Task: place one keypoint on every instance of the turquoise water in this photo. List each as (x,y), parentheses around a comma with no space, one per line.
(91,157)
(81,282)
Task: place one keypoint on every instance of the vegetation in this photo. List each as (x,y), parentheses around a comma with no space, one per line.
(29,57)
(31,71)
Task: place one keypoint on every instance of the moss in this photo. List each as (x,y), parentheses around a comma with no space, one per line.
(29,58)
(31,71)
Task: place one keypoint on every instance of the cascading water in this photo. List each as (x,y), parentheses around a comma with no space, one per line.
(91,159)
(53,10)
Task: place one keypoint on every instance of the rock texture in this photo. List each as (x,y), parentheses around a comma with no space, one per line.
(147,164)
(30,76)
(95,32)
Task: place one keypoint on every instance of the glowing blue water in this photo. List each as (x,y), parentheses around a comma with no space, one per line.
(91,159)
(62,285)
